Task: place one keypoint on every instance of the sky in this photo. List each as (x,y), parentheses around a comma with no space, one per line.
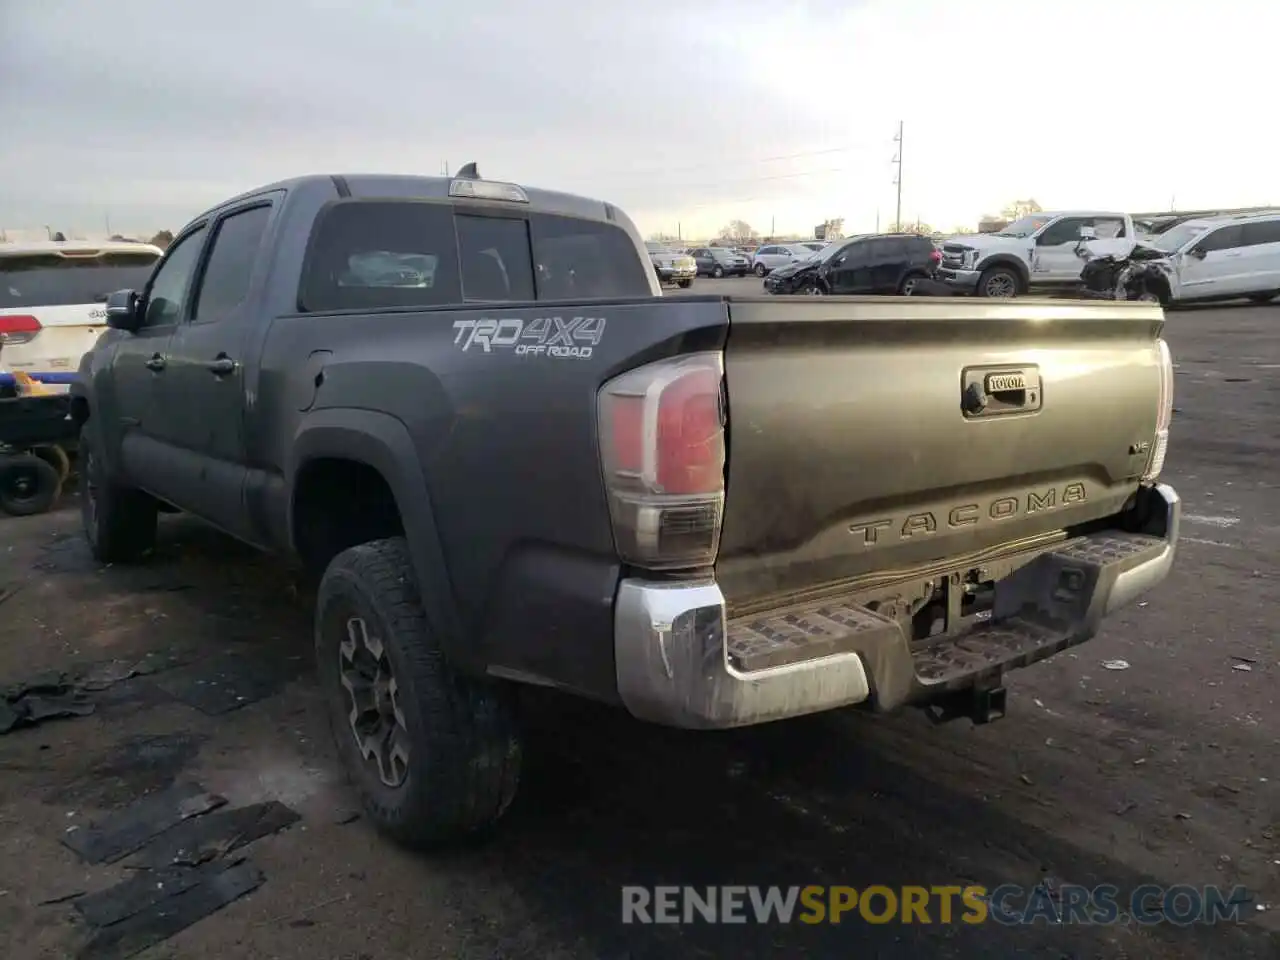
(139,114)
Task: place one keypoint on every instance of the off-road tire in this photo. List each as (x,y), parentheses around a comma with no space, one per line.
(28,485)
(119,522)
(464,745)
(991,272)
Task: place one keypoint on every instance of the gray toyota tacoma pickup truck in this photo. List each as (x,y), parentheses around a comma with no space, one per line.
(467,407)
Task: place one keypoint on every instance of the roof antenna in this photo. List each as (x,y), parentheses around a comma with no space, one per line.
(468,172)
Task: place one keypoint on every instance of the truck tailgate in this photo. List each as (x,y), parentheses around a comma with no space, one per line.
(875,436)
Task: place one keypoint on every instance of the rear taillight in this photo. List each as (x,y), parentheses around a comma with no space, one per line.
(936,255)
(662,445)
(1164,414)
(18,328)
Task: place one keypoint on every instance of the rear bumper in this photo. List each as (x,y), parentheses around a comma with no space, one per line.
(680,663)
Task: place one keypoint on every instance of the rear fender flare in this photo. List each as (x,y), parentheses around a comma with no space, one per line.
(382,442)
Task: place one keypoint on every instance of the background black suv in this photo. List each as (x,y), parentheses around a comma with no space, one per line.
(889,263)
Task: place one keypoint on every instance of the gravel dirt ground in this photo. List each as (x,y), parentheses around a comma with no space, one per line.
(1167,772)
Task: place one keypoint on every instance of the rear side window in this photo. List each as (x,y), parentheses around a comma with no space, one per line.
(54,280)
(890,249)
(370,254)
(231,261)
(494,253)
(1263,231)
(585,258)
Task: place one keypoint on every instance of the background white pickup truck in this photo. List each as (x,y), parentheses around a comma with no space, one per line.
(1039,250)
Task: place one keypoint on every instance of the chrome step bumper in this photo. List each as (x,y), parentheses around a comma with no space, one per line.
(681,663)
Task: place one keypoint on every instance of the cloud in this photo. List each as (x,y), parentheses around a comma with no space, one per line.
(150,110)
(167,106)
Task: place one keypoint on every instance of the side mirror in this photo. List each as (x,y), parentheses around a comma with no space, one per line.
(123,311)
(1197,252)
(1088,233)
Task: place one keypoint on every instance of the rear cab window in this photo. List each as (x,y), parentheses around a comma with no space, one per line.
(373,254)
(69,279)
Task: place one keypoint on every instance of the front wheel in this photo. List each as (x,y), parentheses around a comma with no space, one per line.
(28,484)
(998,282)
(718,272)
(435,755)
(684,284)
(759,269)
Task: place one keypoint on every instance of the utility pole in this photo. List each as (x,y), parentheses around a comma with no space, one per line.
(107,218)
(897,220)
(877,219)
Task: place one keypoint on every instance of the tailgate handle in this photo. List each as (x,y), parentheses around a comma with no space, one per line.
(986,391)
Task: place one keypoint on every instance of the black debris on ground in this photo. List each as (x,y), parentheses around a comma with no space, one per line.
(206,838)
(212,890)
(179,839)
(127,830)
(71,693)
(230,680)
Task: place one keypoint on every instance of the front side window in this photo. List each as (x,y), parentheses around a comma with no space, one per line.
(1224,238)
(1066,230)
(167,297)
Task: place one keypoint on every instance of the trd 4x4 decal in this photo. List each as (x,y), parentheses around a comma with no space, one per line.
(556,337)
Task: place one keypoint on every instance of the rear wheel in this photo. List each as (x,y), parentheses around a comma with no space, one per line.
(56,457)
(760,271)
(999,282)
(434,755)
(28,485)
(908,286)
(119,522)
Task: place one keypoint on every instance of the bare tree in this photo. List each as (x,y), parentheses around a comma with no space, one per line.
(1020,208)
(911,226)
(738,230)
(163,239)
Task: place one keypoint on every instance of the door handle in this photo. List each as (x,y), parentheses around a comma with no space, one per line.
(156,363)
(221,366)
